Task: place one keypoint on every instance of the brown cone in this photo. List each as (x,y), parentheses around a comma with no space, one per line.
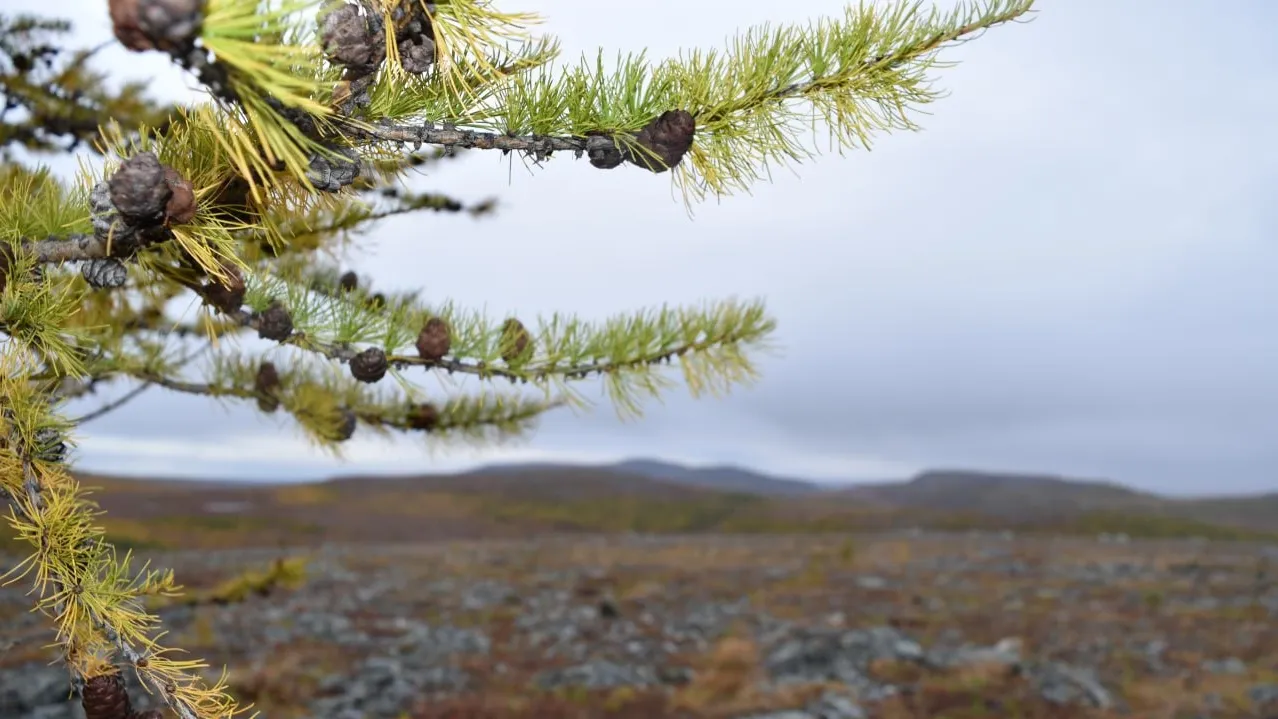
(603,155)
(352,36)
(369,365)
(168,25)
(104,697)
(180,208)
(349,281)
(234,201)
(275,323)
(423,417)
(227,297)
(414,38)
(124,21)
(434,341)
(669,137)
(417,57)
(138,189)
(346,428)
(515,342)
(266,384)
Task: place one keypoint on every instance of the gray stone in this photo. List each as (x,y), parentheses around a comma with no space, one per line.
(26,688)
(835,706)
(601,674)
(1064,684)
(1264,695)
(1231,665)
(1006,651)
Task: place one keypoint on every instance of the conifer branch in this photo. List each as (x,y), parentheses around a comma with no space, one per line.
(464,414)
(132,394)
(77,247)
(74,573)
(108,407)
(861,74)
(307,231)
(61,96)
(625,350)
(234,199)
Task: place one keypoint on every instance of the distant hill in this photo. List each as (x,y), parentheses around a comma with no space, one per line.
(1034,498)
(1003,495)
(1256,512)
(514,501)
(722,478)
(541,481)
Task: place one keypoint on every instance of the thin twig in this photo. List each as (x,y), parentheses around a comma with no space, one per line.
(542,145)
(133,393)
(112,405)
(344,353)
(214,390)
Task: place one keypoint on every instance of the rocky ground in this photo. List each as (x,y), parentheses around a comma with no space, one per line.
(902,625)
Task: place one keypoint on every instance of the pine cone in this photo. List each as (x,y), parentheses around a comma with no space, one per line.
(107,222)
(369,365)
(102,273)
(148,714)
(168,25)
(603,151)
(434,341)
(417,57)
(377,301)
(351,94)
(354,41)
(234,200)
(415,40)
(180,208)
(275,323)
(348,281)
(104,697)
(346,427)
(423,417)
(331,174)
(515,342)
(125,23)
(267,384)
(139,191)
(669,137)
(227,297)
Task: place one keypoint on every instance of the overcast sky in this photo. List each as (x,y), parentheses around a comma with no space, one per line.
(1069,270)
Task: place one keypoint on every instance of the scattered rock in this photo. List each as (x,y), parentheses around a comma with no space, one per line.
(1264,696)
(598,675)
(1060,683)
(835,706)
(1232,665)
(409,636)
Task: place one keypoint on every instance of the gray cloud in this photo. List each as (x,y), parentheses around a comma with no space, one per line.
(1070,268)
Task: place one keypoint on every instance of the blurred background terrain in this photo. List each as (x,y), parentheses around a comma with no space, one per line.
(646,589)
